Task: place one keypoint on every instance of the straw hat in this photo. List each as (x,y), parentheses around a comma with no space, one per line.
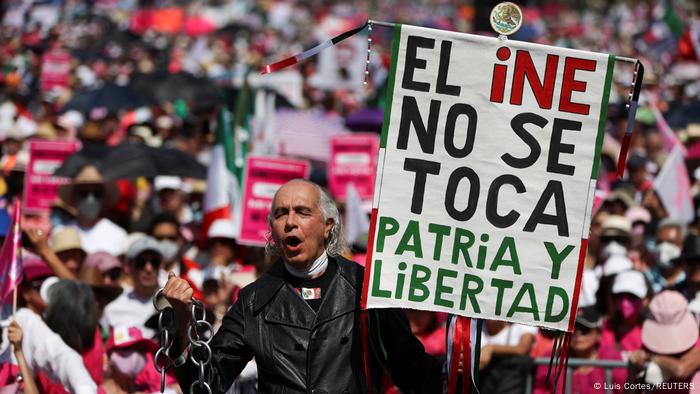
(65,238)
(89,176)
(616,226)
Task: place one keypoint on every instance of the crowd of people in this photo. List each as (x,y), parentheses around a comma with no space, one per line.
(94,259)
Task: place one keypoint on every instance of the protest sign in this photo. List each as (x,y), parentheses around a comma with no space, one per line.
(353,160)
(486,174)
(55,70)
(40,185)
(263,176)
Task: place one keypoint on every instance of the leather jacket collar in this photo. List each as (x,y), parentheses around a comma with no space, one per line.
(287,306)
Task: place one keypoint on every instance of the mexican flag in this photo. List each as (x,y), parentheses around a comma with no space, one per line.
(224,195)
(223,192)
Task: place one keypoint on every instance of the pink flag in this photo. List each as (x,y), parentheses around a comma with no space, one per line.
(10,255)
(668,137)
(673,187)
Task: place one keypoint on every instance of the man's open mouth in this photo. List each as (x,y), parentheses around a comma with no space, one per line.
(292,242)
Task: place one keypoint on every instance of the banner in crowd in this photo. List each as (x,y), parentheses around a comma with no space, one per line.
(486,174)
(40,185)
(55,70)
(353,160)
(263,176)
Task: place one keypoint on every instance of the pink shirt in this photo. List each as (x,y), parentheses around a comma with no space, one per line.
(94,359)
(630,341)
(583,382)
(434,342)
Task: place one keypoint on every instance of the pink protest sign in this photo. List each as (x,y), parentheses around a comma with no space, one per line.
(40,186)
(55,70)
(263,176)
(353,160)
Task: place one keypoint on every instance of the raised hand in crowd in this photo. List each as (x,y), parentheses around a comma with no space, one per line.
(40,245)
(14,335)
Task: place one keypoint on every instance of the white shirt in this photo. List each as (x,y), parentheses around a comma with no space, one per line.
(508,336)
(130,311)
(45,351)
(104,236)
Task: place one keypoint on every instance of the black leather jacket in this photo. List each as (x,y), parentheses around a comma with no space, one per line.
(299,351)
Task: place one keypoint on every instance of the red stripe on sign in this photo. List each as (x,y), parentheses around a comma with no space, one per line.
(368,261)
(270,68)
(466,355)
(622,159)
(577,285)
(456,355)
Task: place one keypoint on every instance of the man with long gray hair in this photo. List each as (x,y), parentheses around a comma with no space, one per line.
(301,320)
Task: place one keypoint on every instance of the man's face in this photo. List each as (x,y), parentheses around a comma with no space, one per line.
(31,295)
(223,248)
(298,227)
(584,338)
(145,269)
(167,232)
(72,258)
(638,177)
(171,200)
(670,234)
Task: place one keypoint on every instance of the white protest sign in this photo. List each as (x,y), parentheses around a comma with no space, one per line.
(486,177)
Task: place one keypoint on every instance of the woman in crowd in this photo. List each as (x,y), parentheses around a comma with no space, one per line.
(671,354)
(623,330)
(72,314)
(586,344)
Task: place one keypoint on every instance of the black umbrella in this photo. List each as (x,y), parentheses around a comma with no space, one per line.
(201,93)
(680,115)
(132,160)
(110,96)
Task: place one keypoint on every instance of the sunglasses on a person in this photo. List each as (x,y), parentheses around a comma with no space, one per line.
(169,237)
(114,274)
(97,193)
(583,330)
(141,262)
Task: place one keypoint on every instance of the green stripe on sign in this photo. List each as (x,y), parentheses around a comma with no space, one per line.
(603,117)
(395,42)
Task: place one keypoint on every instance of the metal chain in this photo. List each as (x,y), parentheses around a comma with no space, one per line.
(166,329)
(199,334)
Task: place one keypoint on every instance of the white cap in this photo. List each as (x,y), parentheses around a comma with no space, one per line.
(616,264)
(222,228)
(71,120)
(143,244)
(130,239)
(589,288)
(632,282)
(45,286)
(167,182)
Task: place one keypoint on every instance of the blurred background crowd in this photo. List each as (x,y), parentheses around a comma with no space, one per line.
(139,94)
